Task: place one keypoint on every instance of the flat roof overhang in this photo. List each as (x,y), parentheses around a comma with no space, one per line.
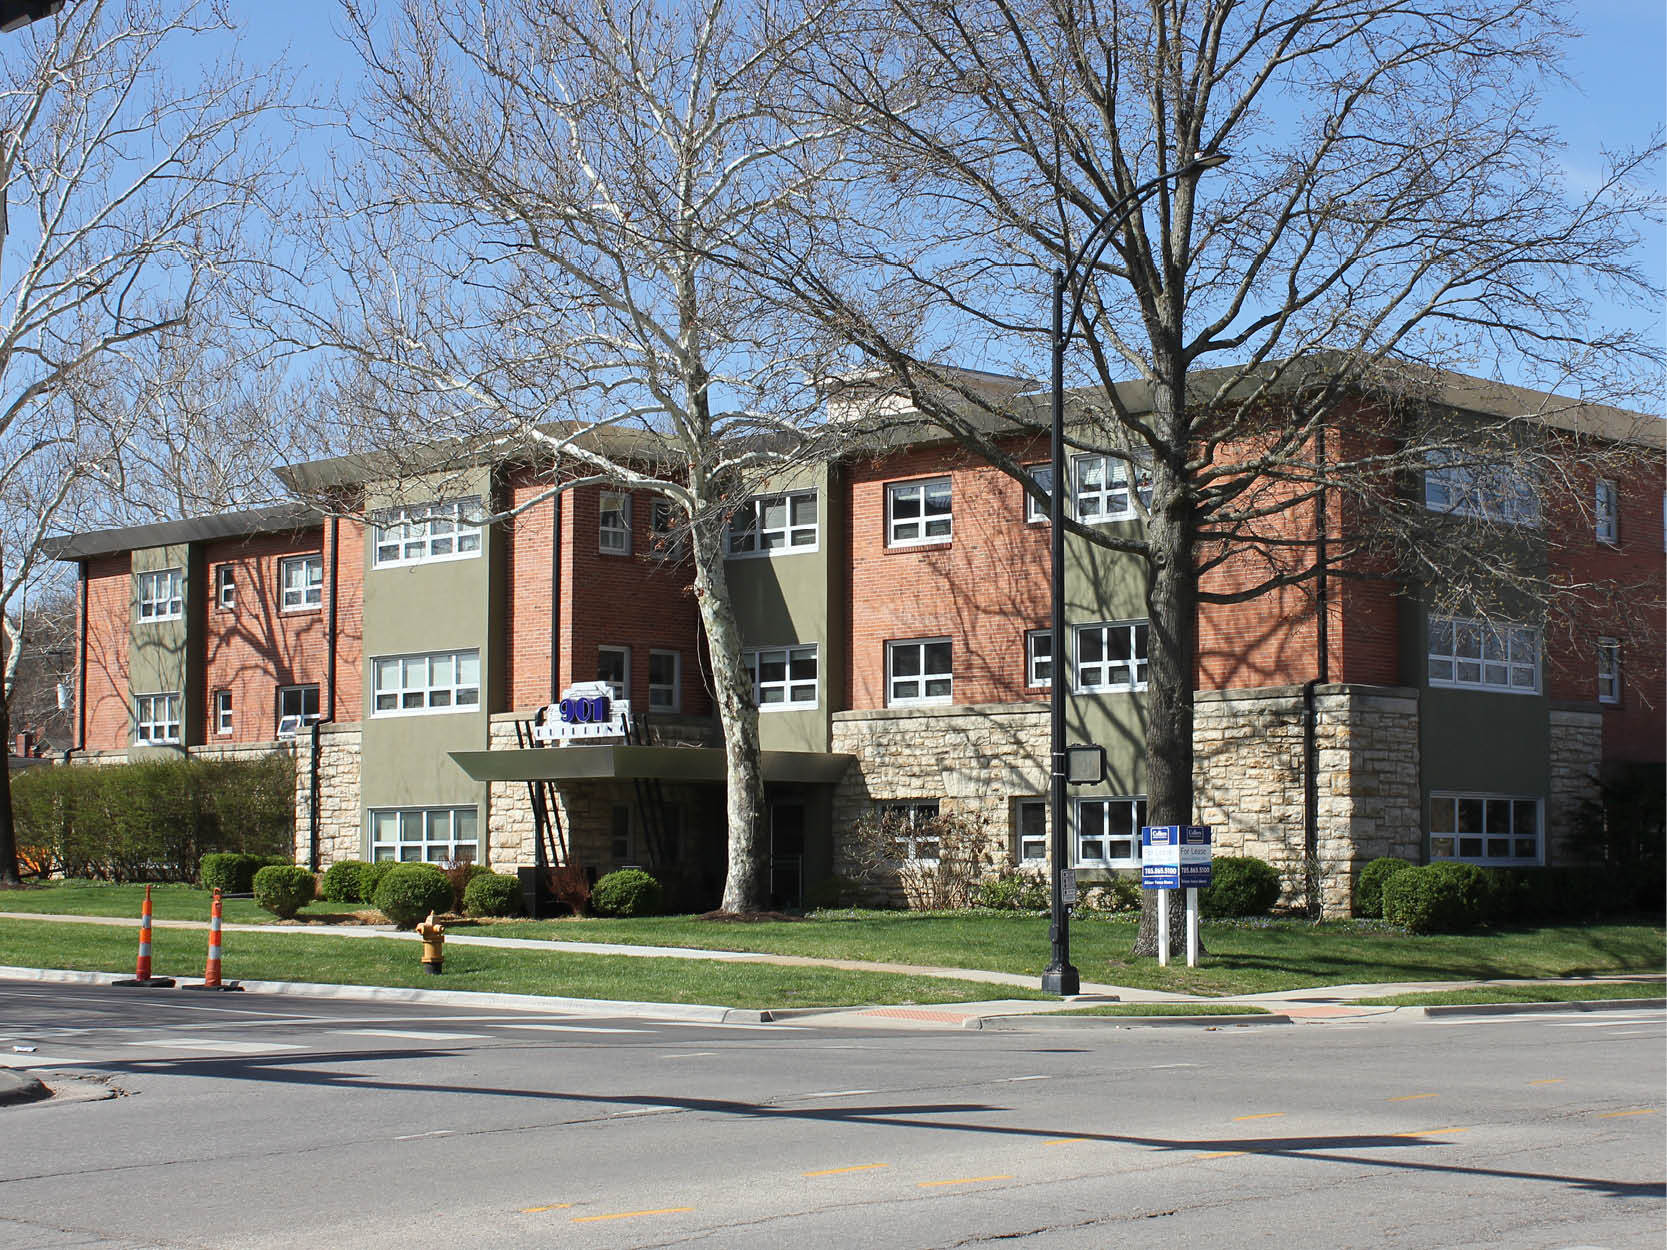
(629,763)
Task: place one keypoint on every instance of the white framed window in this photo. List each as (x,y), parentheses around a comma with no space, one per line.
(223,721)
(665,681)
(919,671)
(439,681)
(783,678)
(771,523)
(1485,828)
(1609,670)
(909,815)
(1606,513)
(1492,492)
(613,665)
(1039,658)
(1111,656)
(156,717)
(918,512)
(1100,489)
(1108,832)
(225,587)
(424,835)
(301,582)
(297,707)
(161,594)
(1481,655)
(422,533)
(613,526)
(1036,510)
(1030,831)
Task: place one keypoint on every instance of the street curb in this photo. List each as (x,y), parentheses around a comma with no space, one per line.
(1511,1009)
(698,1013)
(19,1087)
(1027,1022)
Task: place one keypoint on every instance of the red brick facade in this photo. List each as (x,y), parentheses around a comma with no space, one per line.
(108,607)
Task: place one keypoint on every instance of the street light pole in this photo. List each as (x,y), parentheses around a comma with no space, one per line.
(1060,977)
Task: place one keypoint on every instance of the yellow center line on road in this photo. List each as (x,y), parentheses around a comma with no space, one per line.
(1222,1154)
(626,1215)
(1616,1115)
(1550,1080)
(1430,1132)
(1066,1141)
(963,1180)
(1411,1097)
(554,1206)
(857,1167)
(1266,1115)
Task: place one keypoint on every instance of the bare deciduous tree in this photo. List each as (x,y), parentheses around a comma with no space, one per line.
(126,188)
(1393,207)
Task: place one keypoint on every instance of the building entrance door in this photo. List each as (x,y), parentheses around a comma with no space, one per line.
(787,854)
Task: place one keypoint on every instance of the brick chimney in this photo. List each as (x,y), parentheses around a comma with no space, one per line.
(25,744)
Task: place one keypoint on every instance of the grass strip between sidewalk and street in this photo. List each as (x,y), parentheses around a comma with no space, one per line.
(180,953)
(1481,995)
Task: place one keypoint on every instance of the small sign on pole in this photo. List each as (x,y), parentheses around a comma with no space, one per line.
(1068,885)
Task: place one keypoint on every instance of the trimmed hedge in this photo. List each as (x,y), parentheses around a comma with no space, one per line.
(284,889)
(232,872)
(344,882)
(1368,890)
(627,892)
(408,892)
(1012,891)
(492,894)
(1427,900)
(370,877)
(154,821)
(1240,885)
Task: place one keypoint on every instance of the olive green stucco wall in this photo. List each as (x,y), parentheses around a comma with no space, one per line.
(441,605)
(159,653)
(1103,586)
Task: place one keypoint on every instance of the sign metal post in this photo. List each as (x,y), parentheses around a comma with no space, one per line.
(1192,926)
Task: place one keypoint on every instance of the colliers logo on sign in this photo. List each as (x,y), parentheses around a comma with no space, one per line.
(584,711)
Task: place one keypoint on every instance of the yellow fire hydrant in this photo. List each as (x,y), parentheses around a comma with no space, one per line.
(433,935)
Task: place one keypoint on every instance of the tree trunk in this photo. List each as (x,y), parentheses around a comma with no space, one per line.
(8,832)
(746,881)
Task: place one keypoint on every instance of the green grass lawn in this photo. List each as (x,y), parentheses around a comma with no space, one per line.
(1596,991)
(179,953)
(168,902)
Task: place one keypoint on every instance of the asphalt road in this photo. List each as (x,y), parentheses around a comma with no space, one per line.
(259,1122)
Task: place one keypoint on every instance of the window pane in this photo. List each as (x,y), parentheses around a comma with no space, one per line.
(1525,816)
(937,657)
(905,661)
(1470,816)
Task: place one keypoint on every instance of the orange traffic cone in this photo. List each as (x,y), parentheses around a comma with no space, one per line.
(211,970)
(142,978)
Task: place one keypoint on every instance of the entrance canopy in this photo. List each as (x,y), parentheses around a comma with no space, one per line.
(629,763)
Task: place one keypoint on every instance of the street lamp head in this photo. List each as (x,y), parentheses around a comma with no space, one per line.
(1209,160)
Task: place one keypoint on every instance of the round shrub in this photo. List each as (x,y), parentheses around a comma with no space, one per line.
(492,894)
(410,891)
(284,889)
(1240,885)
(1368,891)
(1480,895)
(370,877)
(1012,891)
(344,882)
(1428,900)
(628,892)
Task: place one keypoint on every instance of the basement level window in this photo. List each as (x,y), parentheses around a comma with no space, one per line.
(1501,829)
(431,835)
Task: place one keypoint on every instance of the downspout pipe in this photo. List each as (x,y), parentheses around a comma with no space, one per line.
(1310,713)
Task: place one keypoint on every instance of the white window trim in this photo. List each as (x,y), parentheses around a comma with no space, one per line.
(311,592)
(1137,663)
(1512,861)
(399,692)
(622,695)
(757,504)
(924,540)
(1032,681)
(1504,629)
(1609,671)
(752,657)
(1486,492)
(224,713)
(1116,479)
(424,843)
(301,718)
(225,587)
(1019,806)
(415,515)
(170,722)
(1077,860)
(922,700)
(153,608)
(1606,519)
(1038,513)
(676,704)
(605,508)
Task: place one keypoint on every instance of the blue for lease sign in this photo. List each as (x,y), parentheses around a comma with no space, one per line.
(1174,857)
